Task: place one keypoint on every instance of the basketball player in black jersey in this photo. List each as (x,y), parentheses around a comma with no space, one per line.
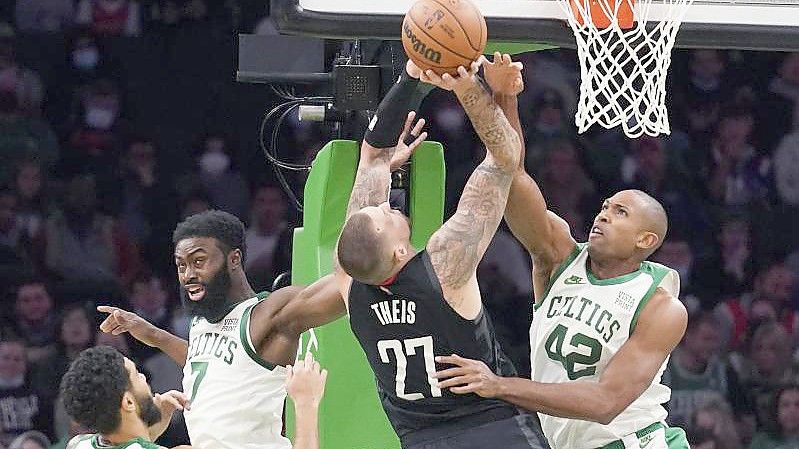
(408,307)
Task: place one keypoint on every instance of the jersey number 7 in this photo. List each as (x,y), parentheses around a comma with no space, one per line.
(408,348)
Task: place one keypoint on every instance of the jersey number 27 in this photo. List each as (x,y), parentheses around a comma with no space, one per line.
(408,348)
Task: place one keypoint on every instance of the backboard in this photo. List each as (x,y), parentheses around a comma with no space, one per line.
(746,25)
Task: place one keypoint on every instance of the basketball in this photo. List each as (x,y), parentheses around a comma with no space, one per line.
(444,34)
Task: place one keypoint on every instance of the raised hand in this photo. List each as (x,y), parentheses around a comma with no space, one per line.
(305,382)
(503,75)
(464,79)
(120,321)
(403,151)
(170,401)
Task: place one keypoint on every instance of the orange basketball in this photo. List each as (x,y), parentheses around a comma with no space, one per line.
(598,16)
(444,34)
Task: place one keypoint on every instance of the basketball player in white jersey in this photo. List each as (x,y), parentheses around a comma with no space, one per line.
(605,321)
(103,390)
(240,342)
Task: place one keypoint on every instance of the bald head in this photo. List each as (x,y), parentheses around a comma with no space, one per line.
(654,218)
(362,250)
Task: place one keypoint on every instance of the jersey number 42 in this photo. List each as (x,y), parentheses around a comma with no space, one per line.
(409,348)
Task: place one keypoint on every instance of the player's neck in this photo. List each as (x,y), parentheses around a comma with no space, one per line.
(240,290)
(126,432)
(608,269)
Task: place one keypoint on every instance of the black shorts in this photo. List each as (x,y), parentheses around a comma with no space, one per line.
(517,432)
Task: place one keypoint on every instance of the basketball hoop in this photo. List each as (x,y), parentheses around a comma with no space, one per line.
(624,47)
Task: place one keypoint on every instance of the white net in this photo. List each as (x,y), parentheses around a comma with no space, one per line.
(624,71)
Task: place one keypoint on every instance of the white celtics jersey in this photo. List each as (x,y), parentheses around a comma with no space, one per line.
(236,397)
(578,327)
(94,441)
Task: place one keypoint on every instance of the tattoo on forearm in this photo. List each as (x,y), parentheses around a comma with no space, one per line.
(372,184)
(499,137)
(456,249)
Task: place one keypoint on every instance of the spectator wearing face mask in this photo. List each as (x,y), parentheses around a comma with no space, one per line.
(225,185)
(110,17)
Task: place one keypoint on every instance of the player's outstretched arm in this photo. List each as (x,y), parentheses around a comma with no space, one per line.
(457,247)
(545,236)
(120,321)
(294,309)
(628,374)
(305,384)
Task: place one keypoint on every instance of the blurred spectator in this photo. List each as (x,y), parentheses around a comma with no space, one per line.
(22,138)
(24,407)
(95,140)
(216,175)
(651,167)
(697,101)
(44,16)
(146,202)
(14,78)
(767,366)
(771,299)
(738,174)
(546,122)
(698,372)
(15,242)
(194,202)
(32,439)
(779,106)
(119,342)
(728,272)
(268,237)
(505,271)
(84,246)
(570,193)
(33,205)
(786,169)
(76,332)
(781,431)
(676,253)
(35,318)
(716,418)
(110,17)
(150,300)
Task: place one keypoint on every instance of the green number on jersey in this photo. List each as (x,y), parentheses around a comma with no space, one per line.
(199,368)
(554,348)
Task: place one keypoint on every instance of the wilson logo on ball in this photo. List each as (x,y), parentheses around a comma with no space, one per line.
(420,47)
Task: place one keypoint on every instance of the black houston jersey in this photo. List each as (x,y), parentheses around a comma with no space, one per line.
(401,332)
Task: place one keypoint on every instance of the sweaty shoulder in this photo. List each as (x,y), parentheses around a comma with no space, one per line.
(663,319)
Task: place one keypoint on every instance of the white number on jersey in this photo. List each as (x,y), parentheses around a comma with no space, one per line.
(408,347)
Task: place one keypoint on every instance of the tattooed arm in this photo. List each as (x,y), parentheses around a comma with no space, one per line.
(457,248)
(546,236)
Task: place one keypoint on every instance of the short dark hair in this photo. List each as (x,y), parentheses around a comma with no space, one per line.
(226,228)
(360,250)
(93,387)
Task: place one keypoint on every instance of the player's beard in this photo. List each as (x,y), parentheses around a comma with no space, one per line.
(148,412)
(215,304)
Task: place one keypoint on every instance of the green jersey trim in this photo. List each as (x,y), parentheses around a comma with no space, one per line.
(561,268)
(244,328)
(658,273)
(618,444)
(138,440)
(612,281)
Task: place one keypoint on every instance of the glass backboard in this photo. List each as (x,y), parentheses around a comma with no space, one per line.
(748,25)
